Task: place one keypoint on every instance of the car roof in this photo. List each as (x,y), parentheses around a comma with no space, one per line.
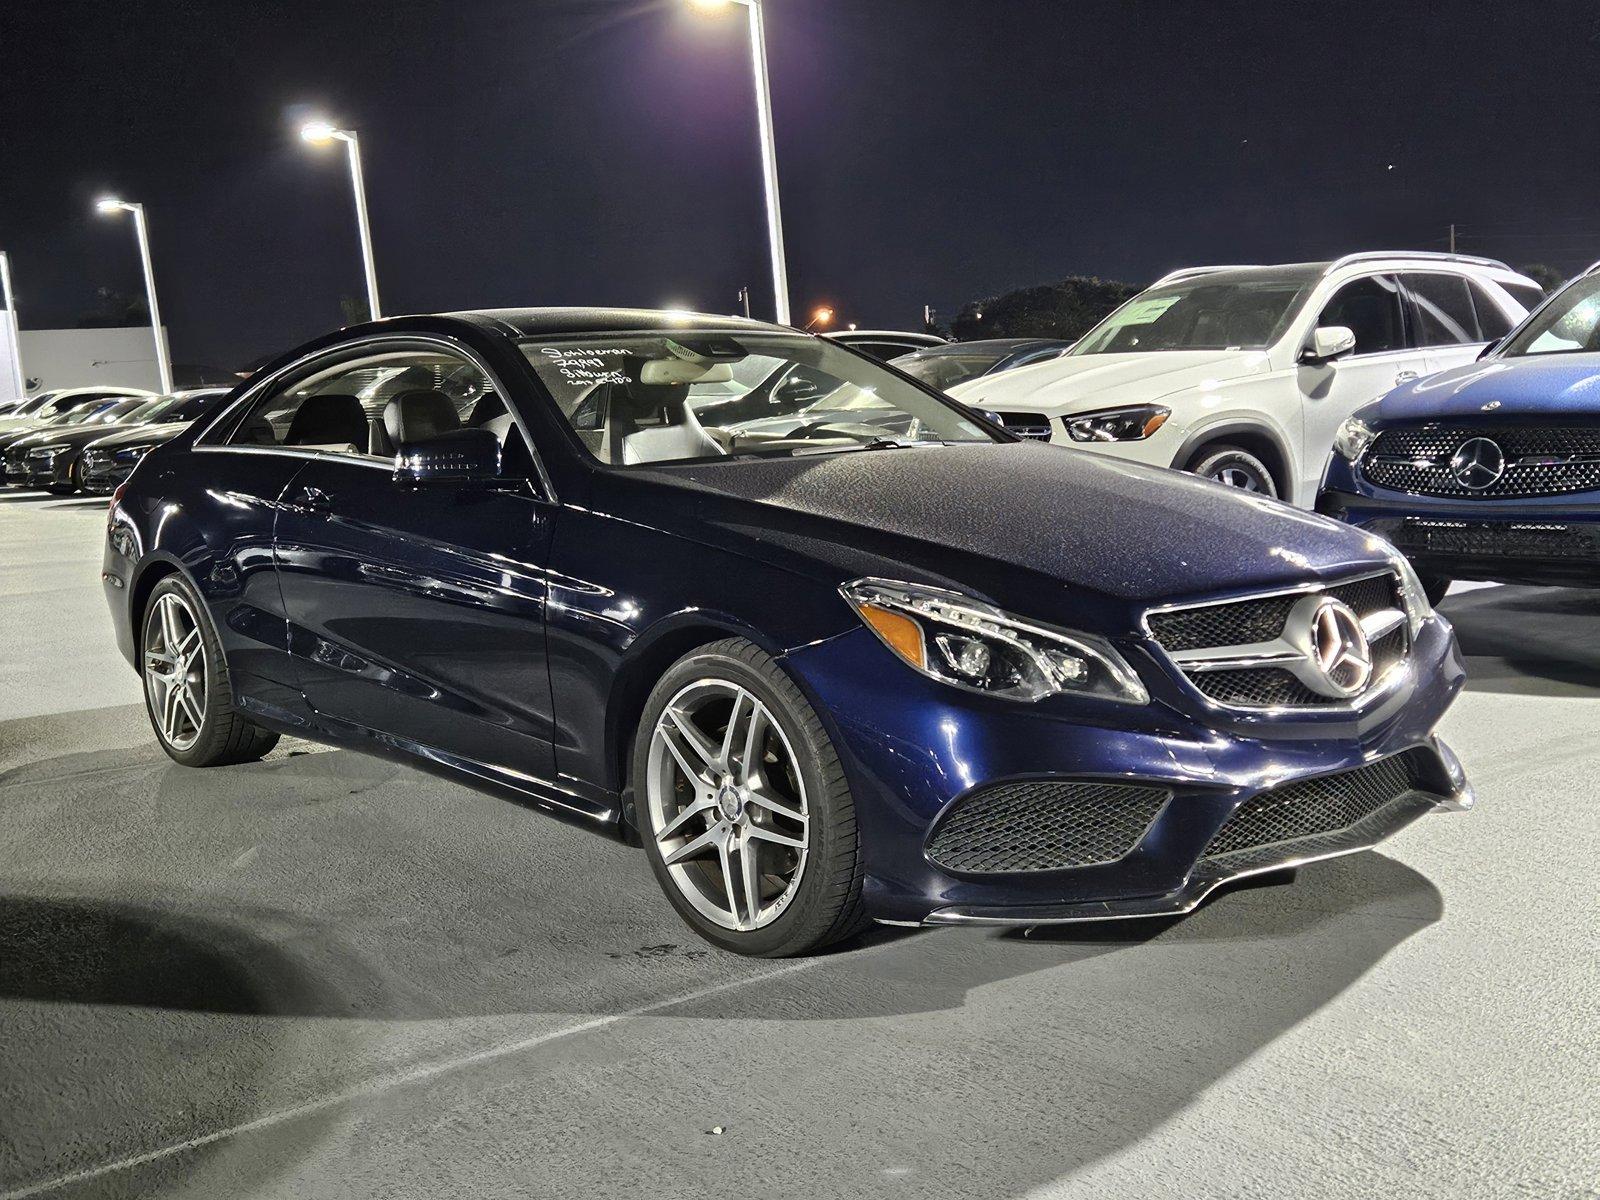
(543,322)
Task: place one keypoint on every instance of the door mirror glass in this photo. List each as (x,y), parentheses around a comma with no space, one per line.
(459,456)
(1328,343)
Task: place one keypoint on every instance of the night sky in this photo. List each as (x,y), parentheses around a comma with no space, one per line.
(930,151)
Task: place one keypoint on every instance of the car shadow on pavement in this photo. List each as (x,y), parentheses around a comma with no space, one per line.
(1529,641)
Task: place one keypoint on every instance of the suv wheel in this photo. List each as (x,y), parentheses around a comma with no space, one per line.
(1236,468)
(743,808)
(186,688)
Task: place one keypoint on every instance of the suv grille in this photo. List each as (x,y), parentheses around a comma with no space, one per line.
(1027,424)
(1315,807)
(1539,460)
(1044,825)
(1231,626)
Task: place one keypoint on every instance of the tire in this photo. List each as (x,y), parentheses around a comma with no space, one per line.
(222,734)
(1233,467)
(1435,586)
(797,909)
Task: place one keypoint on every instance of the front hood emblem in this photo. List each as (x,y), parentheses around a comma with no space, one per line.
(1491,406)
(1478,464)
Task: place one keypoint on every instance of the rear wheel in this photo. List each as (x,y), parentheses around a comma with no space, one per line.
(186,687)
(1236,468)
(743,808)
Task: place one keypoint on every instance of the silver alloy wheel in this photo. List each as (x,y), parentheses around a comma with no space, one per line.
(175,671)
(727,802)
(1239,477)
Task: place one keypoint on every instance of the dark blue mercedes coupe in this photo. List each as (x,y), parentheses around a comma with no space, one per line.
(828,646)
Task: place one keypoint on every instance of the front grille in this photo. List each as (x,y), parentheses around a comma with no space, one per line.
(1232,626)
(1027,424)
(1539,460)
(1044,825)
(1316,807)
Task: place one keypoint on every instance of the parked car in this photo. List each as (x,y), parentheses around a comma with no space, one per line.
(1243,374)
(884,343)
(42,407)
(105,459)
(88,411)
(1490,471)
(946,365)
(28,454)
(56,458)
(821,677)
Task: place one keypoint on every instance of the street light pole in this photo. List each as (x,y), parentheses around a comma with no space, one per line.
(321,132)
(769,154)
(16,326)
(163,363)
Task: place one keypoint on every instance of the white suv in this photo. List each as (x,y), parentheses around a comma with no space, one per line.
(1243,374)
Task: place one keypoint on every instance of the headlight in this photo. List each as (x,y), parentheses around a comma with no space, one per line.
(1412,593)
(46,451)
(1118,424)
(1353,438)
(969,644)
(132,453)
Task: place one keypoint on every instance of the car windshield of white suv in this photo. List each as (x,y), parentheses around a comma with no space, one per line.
(1221,310)
(1569,324)
(645,398)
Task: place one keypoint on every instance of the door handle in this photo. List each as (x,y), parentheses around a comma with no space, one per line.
(316,500)
(1404,377)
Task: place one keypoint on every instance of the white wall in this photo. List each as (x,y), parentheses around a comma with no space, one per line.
(77,357)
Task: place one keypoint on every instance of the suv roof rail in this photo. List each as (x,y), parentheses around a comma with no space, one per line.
(1592,267)
(1191,272)
(1431,255)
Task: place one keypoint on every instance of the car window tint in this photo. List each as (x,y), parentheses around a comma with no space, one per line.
(1443,309)
(1525,294)
(1491,317)
(1369,308)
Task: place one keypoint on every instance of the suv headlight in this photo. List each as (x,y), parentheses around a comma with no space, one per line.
(1412,593)
(1132,424)
(132,453)
(969,644)
(1353,438)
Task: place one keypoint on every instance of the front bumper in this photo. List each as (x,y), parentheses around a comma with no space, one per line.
(1547,540)
(914,750)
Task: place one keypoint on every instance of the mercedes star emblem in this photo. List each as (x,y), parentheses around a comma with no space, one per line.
(1478,464)
(1339,647)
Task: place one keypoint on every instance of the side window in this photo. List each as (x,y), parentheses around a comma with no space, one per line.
(370,406)
(1370,308)
(1491,316)
(1443,309)
(1525,294)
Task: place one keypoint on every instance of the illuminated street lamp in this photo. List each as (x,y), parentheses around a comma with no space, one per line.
(108,205)
(769,156)
(16,326)
(320,133)
(822,316)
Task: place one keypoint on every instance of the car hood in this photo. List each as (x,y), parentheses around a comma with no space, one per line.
(71,435)
(140,435)
(16,433)
(1086,382)
(1032,526)
(1554,383)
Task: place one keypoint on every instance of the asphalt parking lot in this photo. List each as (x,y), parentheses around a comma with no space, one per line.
(324,975)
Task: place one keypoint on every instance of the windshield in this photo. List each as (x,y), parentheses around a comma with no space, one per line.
(151,410)
(1223,310)
(112,414)
(944,371)
(642,398)
(1568,324)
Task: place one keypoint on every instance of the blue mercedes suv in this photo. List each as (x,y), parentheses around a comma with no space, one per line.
(1489,471)
(879,659)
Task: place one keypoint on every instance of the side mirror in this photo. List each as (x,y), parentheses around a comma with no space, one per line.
(460,456)
(1329,342)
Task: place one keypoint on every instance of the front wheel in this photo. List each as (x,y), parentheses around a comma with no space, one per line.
(186,688)
(1236,468)
(743,808)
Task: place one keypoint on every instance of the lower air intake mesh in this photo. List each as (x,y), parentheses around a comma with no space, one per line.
(1044,825)
(1311,807)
